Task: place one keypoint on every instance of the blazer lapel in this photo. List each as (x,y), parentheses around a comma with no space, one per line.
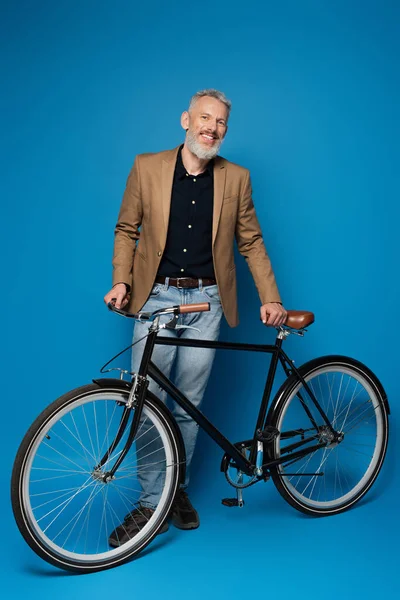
(219,188)
(167,178)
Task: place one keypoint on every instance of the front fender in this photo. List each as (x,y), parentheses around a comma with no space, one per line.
(112,382)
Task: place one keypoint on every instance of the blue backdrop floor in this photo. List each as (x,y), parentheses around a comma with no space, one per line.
(264,549)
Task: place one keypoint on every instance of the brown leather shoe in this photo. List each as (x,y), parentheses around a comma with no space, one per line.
(183,515)
(133,523)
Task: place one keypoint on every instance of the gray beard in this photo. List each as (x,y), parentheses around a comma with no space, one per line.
(197,149)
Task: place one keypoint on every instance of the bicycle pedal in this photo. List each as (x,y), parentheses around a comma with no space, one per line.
(231,502)
(269,434)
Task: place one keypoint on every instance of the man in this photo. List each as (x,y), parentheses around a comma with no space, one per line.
(189,204)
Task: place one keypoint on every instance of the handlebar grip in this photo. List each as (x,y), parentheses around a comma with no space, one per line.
(191,308)
(120,311)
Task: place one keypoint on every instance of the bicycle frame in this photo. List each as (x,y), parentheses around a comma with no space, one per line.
(247,465)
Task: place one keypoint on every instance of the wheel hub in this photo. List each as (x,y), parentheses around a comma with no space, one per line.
(330,438)
(99,475)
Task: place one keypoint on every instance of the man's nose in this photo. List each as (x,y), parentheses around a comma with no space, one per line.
(212,127)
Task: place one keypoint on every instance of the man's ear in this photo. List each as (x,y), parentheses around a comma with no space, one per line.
(185,120)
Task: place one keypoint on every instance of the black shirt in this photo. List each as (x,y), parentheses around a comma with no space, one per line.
(188,250)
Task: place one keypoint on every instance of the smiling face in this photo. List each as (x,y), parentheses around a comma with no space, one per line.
(206,124)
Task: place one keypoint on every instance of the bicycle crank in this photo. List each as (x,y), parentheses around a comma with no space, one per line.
(236,478)
(238,501)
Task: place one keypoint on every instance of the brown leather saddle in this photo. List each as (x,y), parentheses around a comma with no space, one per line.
(297,319)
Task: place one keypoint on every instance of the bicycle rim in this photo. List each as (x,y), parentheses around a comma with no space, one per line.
(332,478)
(68,510)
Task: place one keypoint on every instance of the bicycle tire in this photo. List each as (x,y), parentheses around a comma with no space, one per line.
(47,427)
(304,492)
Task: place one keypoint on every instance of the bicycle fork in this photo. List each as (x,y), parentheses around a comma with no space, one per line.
(134,403)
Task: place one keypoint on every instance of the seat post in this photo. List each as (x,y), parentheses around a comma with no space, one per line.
(282,334)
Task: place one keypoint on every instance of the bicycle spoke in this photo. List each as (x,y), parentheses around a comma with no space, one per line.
(106,440)
(53,492)
(96,429)
(335,420)
(63,456)
(338,409)
(93,493)
(78,438)
(52,469)
(84,524)
(66,502)
(148,464)
(54,433)
(102,518)
(314,477)
(88,431)
(129,489)
(349,449)
(351,424)
(335,408)
(303,468)
(52,500)
(72,474)
(117,519)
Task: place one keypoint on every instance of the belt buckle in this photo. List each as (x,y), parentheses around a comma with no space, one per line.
(177,282)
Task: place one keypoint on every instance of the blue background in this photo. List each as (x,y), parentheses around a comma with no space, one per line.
(315,91)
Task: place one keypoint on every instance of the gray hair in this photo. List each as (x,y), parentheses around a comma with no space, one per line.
(213,94)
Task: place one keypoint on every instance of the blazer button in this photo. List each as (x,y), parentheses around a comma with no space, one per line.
(159,253)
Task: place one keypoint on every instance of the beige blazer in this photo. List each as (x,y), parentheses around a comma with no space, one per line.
(146,204)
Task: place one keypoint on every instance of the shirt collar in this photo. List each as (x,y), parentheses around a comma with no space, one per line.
(180,168)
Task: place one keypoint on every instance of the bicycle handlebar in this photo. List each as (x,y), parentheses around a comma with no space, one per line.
(179,309)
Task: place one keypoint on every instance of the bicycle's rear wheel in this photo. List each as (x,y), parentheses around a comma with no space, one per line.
(62,507)
(331,479)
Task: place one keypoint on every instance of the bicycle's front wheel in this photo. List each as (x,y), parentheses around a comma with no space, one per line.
(334,477)
(63,507)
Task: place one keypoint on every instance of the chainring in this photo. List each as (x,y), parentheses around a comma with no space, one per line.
(234,476)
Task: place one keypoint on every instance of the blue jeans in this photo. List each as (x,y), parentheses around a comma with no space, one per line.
(192,370)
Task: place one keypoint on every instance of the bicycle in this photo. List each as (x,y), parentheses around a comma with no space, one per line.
(78,471)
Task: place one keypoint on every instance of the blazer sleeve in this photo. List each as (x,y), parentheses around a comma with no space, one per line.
(127,228)
(251,246)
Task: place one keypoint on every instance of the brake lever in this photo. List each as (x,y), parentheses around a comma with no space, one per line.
(188,327)
(172,324)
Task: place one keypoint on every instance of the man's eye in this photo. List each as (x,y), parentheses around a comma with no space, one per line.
(203,117)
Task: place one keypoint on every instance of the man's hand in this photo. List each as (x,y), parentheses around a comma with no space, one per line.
(120,293)
(273,314)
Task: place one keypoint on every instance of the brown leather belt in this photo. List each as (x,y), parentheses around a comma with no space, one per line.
(186,282)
